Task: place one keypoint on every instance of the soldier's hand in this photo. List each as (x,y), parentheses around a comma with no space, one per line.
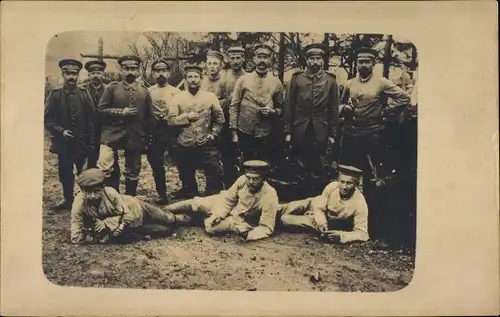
(193,116)
(235,137)
(242,228)
(68,134)
(323,229)
(288,138)
(333,236)
(348,109)
(99,225)
(129,111)
(118,231)
(266,111)
(213,220)
(210,137)
(331,140)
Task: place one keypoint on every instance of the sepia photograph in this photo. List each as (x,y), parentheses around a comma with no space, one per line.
(254,161)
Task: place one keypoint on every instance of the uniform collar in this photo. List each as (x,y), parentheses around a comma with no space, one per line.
(129,86)
(258,76)
(317,75)
(96,87)
(68,90)
(238,72)
(365,79)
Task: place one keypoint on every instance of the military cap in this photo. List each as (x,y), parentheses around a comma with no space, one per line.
(160,64)
(129,60)
(315,49)
(350,171)
(236,49)
(70,65)
(90,178)
(263,49)
(95,65)
(215,54)
(366,52)
(193,68)
(256,166)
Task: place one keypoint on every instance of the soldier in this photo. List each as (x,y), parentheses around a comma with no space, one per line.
(257,103)
(95,87)
(213,81)
(69,116)
(311,112)
(365,112)
(100,213)
(236,57)
(248,208)
(339,214)
(163,136)
(126,109)
(199,114)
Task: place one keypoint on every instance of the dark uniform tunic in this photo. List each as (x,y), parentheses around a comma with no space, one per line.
(311,116)
(70,109)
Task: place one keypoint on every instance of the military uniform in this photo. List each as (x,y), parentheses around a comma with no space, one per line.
(362,135)
(163,136)
(229,154)
(347,215)
(119,213)
(251,93)
(237,207)
(311,114)
(70,108)
(195,145)
(130,133)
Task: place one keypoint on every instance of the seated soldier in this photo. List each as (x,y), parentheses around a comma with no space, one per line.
(100,213)
(248,207)
(339,214)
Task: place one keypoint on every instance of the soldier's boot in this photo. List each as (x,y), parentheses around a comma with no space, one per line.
(161,187)
(131,187)
(67,186)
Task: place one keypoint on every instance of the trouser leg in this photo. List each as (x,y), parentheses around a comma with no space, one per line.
(226,225)
(132,171)
(247,146)
(229,158)
(114,178)
(212,169)
(293,215)
(66,176)
(187,168)
(106,160)
(156,159)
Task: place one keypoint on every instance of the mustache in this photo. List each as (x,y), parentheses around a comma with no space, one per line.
(261,64)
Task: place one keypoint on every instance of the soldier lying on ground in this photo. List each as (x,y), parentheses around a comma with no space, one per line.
(99,213)
(340,206)
(248,208)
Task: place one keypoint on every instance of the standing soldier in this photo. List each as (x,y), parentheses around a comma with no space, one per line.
(200,115)
(69,116)
(95,87)
(126,108)
(311,112)
(236,57)
(363,106)
(162,94)
(257,103)
(213,82)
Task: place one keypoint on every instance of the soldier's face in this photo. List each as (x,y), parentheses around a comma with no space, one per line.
(161,75)
(130,73)
(347,185)
(365,65)
(96,76)
(254,182)
(236,61)
(213,66)
(315,62)
(93,194)
(70,77)
(262,62)
(193,79)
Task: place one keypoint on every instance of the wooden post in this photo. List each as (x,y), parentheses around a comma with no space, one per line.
(326,42)
(281,59)
(387,55)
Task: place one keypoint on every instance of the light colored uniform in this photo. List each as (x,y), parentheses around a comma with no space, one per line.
(238,205)
(114,210)
(162,99)
(328,208)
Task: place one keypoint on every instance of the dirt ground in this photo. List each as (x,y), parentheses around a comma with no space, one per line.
(190,259)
